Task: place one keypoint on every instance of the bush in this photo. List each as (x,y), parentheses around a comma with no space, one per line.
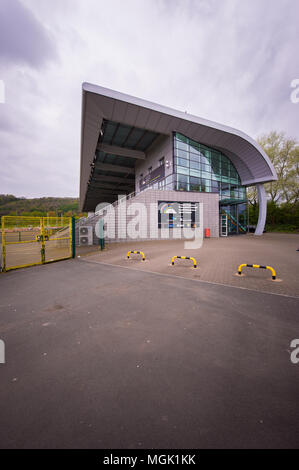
(280,218)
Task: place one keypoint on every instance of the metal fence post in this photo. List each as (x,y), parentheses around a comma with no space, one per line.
(73,237)
(42,240)
(102,240)
(3,245)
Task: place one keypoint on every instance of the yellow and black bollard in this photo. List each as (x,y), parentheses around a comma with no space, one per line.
(257,266)
(184,257)
(136,253)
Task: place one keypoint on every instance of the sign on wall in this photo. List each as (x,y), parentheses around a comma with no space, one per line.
(153,177)
(178,214)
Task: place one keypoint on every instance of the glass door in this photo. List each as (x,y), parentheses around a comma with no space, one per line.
(242,217)
(230,211)
(236,218)
(223,225)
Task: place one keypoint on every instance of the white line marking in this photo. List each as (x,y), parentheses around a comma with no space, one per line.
(188,278)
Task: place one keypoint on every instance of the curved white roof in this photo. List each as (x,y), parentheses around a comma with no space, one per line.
(98,103)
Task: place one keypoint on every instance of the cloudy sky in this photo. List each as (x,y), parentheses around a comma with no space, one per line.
(230,61)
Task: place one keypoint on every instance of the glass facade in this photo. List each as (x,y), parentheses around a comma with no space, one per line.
(236,215)
(198,167)
(201,168)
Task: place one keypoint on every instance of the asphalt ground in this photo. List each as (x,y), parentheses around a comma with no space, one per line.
(101,356)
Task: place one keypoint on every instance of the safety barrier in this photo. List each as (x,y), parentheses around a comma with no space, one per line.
(136,253)
(38,238)
(184,257)
(257,266)
(28,241)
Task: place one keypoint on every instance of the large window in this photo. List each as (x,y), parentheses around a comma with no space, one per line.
(200,168)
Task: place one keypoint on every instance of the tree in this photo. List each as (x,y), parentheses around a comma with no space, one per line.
(284,154)
(291,195)
(283,194)
(252,196)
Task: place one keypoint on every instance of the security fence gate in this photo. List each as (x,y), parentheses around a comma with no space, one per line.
(27,241)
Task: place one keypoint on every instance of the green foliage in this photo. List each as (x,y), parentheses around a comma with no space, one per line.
(284,154)
(280,218)
(283,194)
(52,206)
(282,228)
(6,198)
(253,214)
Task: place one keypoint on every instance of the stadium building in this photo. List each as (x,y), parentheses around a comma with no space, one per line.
(156,155)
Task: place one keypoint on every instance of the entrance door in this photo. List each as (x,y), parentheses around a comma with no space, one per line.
(236,218)
(230,211)
(242,217)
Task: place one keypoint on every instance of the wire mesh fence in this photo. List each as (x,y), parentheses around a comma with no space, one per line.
(27,241)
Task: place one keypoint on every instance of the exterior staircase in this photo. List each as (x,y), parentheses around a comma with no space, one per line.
(94,218)
(234,221)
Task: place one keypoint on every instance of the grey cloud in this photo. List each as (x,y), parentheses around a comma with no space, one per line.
(23,40)
(228,61)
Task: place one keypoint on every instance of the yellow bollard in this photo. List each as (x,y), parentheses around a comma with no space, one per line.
(184,257)
(257,266)
(136,253)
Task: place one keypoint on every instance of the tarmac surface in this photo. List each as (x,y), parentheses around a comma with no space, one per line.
(101,356)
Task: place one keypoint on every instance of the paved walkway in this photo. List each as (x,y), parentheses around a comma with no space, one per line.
(99,356)
(218,260)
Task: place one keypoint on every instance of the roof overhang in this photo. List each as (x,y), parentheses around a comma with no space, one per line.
(99,104)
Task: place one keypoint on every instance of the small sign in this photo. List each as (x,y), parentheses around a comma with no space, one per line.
(153,177)
(179,214)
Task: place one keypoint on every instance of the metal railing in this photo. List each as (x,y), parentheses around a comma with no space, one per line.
(27,241)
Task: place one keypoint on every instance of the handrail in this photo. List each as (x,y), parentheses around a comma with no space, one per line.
(115,204)
(233,220)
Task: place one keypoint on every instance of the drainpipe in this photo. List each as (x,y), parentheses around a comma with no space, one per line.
(262,209)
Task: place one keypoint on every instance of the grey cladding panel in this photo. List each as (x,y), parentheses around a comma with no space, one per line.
(119,111)
(153,120)
(131,115)
(250,160)
(143,116)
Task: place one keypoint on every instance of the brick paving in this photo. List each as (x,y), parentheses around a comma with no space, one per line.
(218,260)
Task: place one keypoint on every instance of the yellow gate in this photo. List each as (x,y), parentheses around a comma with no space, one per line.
(27,241)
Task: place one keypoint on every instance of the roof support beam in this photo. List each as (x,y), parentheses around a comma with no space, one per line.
(110,186)
(99,188)
(107,197)
(128,136)
(114,133)
(111,193)
(121,151)
(141,137)
(111,179)
(118,168)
